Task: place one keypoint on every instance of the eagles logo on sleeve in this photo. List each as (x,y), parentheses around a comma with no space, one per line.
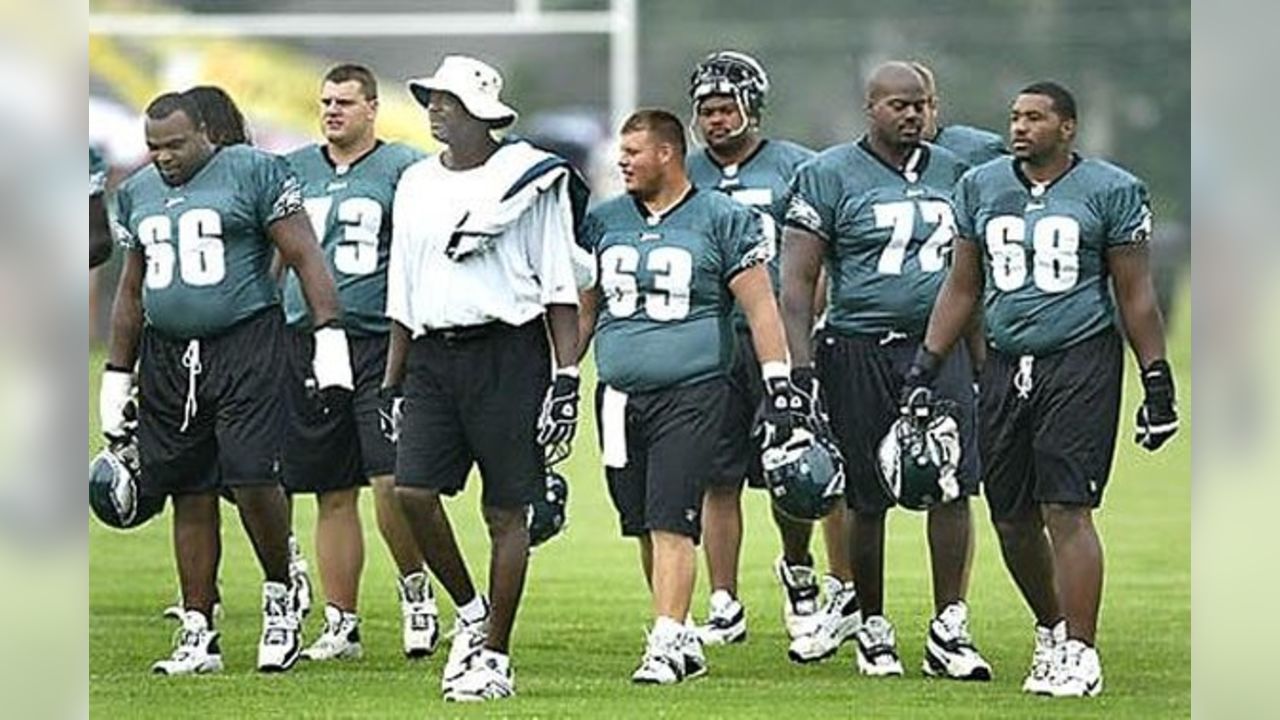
(1142,233)
(802,214)
(289,201)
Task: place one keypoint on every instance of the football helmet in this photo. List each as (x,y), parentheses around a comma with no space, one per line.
(920,455)
(549,512)
(115,493)
(732,73)
(804,475)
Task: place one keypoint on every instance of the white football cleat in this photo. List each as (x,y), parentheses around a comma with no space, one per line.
(727,621)
(877,654)
(1044,657)
(487,677)
(1077,672)
(949,650)
(664,661)
(421,616)
(695,661)
(800,608)
(299,579)
(838,622)
(468,641)
(280,645)
(340,639)
(195,649)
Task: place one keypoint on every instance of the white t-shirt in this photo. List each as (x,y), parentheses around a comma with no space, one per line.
(529,266)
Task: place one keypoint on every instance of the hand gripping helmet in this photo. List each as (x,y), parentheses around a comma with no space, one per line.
(115,493)
(804,475)
(919,457)
(732,73)
(549,512)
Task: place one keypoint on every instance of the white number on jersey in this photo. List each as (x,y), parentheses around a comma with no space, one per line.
(361,218)
(1055,246)
(200,255)
(673,274)
(900,218)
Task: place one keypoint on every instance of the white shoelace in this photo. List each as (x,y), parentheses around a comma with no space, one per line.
(191,361)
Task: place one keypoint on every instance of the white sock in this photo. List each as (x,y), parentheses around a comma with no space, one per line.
(665,627)
(497,660)
(474,611)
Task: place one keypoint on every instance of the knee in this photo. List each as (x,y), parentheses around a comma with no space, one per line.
(417,500)
(338,502)
(722,494)
(504,522)
(1018,529)
(1065,520)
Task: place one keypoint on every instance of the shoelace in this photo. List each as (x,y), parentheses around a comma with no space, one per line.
(1023,381)
(191,361)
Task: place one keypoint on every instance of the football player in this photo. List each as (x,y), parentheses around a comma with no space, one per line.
(973,145)
(348,184)
(671,262)
(878,212)
(99,225)
(197,310)
(1042,233)
(729,90)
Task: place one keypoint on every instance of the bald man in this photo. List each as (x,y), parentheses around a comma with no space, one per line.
(879,212)
(974,145)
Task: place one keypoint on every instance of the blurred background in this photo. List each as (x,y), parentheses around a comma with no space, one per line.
(1128,64)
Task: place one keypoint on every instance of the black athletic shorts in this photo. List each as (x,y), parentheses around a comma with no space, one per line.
(211,411)
(473,396)
(340,450)
(658,449)
(1049,425)
(737,455)
(861,378)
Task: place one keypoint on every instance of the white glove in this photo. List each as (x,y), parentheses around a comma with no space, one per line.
(331,364)
(115,392)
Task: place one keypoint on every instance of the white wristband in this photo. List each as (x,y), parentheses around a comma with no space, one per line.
(775,369)
(568,371)
(331,363)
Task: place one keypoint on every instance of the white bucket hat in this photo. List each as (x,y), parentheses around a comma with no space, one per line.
(474,83)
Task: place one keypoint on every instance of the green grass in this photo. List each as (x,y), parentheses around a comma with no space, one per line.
(580,630)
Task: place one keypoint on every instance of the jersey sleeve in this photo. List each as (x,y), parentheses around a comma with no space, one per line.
(743,241)
(277,192)
(97,173)
(398,265)
(1128,212)
(549,234)
(811,201)
(120,220)
(963,200)
(586,244)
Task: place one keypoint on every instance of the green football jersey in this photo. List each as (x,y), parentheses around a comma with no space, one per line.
(350,211)
(97,172)
(1044,248)
(888,233)
(207,251)
(760,182)
(664,317)
(973,145)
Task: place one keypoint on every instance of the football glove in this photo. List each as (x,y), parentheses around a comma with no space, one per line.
(809,393)
(916,398)
(333,385)
(1158,414)
(559,418)
(116,409)
(390,412)
(780,412)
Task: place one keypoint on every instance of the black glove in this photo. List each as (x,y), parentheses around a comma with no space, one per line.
(779,413)
(390,411)
(916,398)
(1158,414)
(559,419)
(812,407)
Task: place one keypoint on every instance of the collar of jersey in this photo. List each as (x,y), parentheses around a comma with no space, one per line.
(644,211)
(324,153)
(865,146)
(1028,183)
(741,163)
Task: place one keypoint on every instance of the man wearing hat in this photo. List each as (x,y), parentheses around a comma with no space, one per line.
(482,289)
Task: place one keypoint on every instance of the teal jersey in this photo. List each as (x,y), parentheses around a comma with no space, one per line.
(97,172)
(760,182)
(1044,248)
(207,251)
(971,144)
(888,233)
(664,316)
(350,211)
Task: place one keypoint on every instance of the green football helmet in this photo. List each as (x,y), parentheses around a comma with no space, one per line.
(804,475)
(115,493)
(919,457)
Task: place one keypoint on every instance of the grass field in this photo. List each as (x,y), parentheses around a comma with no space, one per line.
(581,628)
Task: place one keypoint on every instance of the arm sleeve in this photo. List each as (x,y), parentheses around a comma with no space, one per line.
(962,199)
(549,233)
(278,193)
(97,174)
(398,288)
(1128,213)
(743,241)
(587,241)
(120,219)
(810,205)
